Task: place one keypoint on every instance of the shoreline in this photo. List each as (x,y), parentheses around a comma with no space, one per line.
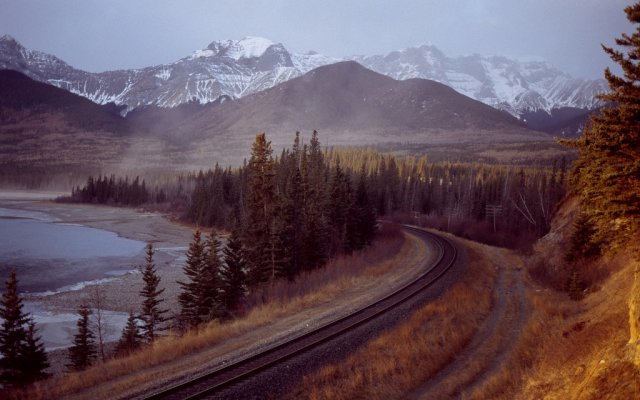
(121,291)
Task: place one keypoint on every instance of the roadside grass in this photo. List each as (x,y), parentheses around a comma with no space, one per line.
(489,344)
(400,359)
(119,376)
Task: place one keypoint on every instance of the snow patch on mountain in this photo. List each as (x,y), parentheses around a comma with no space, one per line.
(202,53)
(249,47)
(515,86)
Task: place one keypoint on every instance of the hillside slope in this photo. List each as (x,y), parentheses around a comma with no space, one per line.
(351,105)
(581,347)
(46,129)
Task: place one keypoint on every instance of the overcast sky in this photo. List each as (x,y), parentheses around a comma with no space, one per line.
(102,35)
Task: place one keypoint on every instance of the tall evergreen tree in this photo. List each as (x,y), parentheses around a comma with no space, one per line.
(607,173)
(233,275)
(339,206)
(190,296)
(363,217)
(210,305)
(83,351)
(315,231)
(261,203)
(131,339)
(13,333)
(152,315)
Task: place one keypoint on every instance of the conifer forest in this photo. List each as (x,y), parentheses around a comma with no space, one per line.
(334,190)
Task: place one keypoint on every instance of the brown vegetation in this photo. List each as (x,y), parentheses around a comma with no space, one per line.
(570,349)
(404,357)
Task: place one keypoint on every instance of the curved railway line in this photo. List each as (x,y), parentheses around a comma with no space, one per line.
(215,381)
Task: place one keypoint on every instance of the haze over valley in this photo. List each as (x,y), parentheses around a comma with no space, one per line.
(411,199)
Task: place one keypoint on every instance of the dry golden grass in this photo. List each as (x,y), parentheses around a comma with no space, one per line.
(494,338)
(571,350)
(404,357)
(117,377)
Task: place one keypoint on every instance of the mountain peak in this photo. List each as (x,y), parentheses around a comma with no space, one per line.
(250,47)
(7,38)
(247,47)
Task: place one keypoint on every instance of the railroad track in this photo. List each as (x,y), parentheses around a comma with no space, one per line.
(212,382)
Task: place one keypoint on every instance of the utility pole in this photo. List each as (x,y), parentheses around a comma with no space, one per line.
(493,211)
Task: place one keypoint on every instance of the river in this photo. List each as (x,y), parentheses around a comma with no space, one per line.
(58,250)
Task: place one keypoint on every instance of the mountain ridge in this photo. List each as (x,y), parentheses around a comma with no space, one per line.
(224,68)
(237,68)
(349,105)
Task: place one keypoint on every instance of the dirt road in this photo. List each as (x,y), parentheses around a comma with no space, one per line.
(494,339)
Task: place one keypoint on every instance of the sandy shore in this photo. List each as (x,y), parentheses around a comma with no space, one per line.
(121,292)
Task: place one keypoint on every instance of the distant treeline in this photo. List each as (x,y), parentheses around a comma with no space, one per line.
(503,205)
(107,190)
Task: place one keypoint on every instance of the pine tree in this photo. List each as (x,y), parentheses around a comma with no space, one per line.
(210,305)
(233,275)
(261,204)
(315,230)
(363,216)
(339,205)
(607,173)
(34,358)
(131,339)
(152,315)
(13,333)
(583,244)
(190,296)
(83,351)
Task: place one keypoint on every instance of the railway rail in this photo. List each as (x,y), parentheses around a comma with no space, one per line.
(212,382)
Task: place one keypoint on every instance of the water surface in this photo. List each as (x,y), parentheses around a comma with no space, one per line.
(49,254)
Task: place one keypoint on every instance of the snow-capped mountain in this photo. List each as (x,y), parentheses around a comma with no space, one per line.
(518,87)
(231,68)
(236,68)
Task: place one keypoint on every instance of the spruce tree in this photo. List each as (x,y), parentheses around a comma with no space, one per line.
(131,339)
(34,358)
(607,173)
(293,211)
(261,203)
(83,351)
(152,316)
(338,210)
(583,245)
(13,333)
(233,274)
(210,305)
(363,218)
(316,235)
(190,296)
